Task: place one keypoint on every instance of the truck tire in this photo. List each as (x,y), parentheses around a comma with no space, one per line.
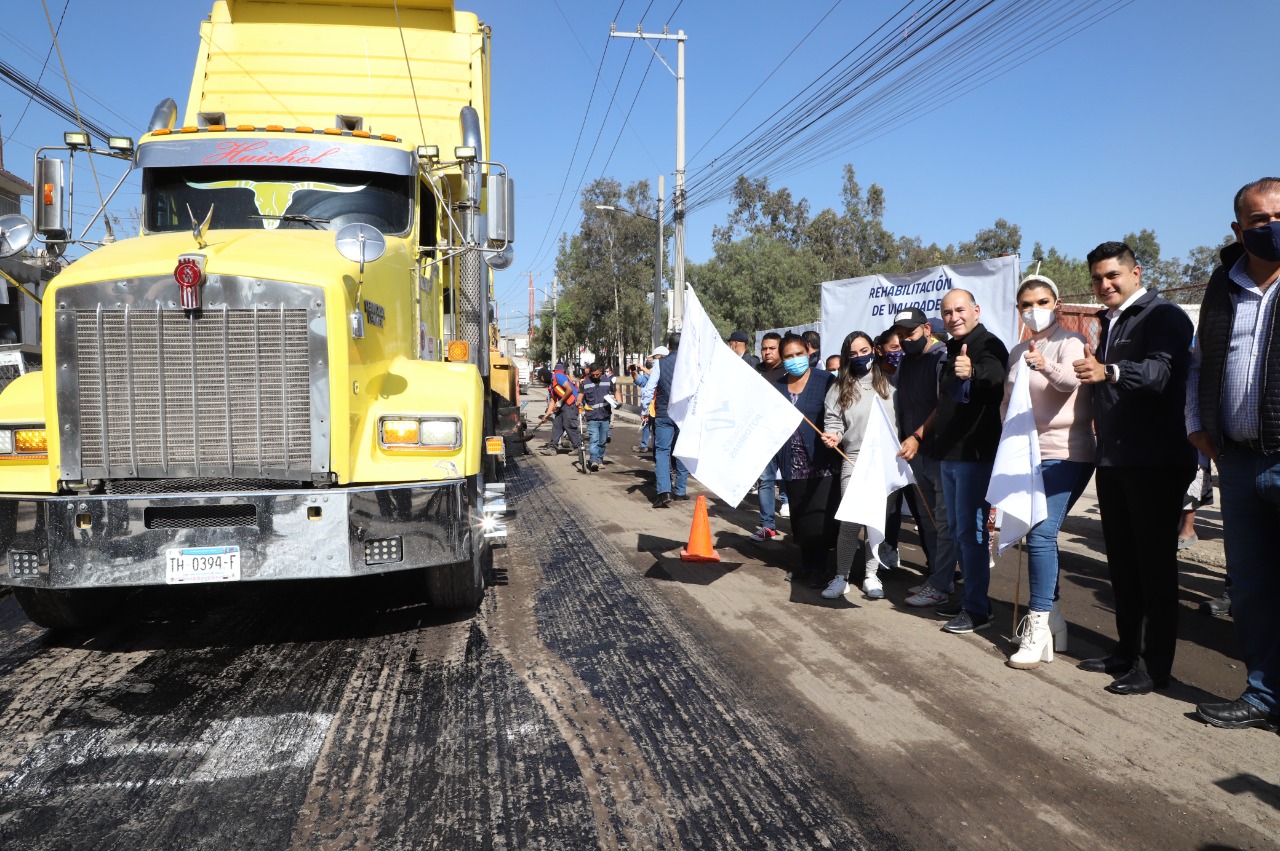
(69,609)
(461,586)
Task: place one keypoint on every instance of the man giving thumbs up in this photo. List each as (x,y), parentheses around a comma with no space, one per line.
(967,425)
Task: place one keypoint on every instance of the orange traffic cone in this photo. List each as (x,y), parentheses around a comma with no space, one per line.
(700,548)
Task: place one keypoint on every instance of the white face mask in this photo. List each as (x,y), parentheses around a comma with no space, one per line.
(1038,318)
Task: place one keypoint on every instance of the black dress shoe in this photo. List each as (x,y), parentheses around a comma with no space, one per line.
(662,500)
(1137,681)
(1106,665)
(684,496)
(1219,607)
(1237,715)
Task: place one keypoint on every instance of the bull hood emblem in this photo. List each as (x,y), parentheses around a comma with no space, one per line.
(273,199)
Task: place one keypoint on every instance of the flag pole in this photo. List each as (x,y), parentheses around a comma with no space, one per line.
(1017,593)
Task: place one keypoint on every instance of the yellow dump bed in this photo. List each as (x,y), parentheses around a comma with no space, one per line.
(404,68)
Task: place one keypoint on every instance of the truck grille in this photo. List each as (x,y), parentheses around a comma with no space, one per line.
(228,390)
(157,392)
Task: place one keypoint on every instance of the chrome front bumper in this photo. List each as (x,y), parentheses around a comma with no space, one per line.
(97,541)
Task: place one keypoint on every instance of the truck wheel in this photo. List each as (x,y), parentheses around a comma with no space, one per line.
(461,585)
(70,609)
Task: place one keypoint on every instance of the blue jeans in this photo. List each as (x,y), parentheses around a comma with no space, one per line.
(1064,481)
(1250,485)
(664,435)
(598,431)
(769,496)
(964,486)
(935,532)
(646,433)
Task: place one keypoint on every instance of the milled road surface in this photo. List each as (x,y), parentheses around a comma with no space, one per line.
(573,711)
(607,695)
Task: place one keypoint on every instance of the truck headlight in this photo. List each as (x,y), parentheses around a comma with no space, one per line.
(439,433)
(6,441)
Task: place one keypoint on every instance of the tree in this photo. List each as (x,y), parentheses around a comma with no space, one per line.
(606,270)
(758,282)
(757,210)
(1001,238)
(1070,274)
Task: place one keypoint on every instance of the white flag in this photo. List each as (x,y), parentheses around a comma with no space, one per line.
(1017,487)
(877,472)
(732,422)
(698,339)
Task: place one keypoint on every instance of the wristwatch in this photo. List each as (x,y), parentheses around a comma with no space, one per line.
(1113,373)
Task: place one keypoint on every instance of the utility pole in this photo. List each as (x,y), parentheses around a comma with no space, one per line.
(531,313)
(678,196)
(657,277)
(555,287)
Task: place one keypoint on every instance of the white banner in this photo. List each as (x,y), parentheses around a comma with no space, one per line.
(869,303)
(877,472)
(1017,487)
(731,421)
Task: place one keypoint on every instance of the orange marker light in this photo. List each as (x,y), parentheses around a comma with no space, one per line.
(458,351)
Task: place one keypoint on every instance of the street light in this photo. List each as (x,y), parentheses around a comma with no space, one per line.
(657,265)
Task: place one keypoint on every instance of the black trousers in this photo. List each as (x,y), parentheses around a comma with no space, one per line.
(1141,511)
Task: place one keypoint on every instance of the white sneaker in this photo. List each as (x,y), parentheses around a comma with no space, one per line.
(872,587)
(915,589)
(836,589)
(888,555)
(927,596)
(785,510)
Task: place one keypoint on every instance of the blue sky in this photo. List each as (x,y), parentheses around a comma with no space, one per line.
(1146,120)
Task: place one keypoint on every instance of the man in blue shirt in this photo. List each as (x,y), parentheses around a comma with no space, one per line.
(1233,416)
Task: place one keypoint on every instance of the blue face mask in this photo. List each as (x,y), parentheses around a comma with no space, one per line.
(894,358)
(1263,242)
(797,365)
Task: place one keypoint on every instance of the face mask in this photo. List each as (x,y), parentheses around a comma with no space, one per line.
(860,365)
(834,371)
(797,365)
(1038,318)
(894,358)
(1263,242)
(915,347)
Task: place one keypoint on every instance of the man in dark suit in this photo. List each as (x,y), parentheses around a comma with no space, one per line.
(1144,463)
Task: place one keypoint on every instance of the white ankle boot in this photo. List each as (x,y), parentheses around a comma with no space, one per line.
(871,585)
(1058,627)
(1037,642)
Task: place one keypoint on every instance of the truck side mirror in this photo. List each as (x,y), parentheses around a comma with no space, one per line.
(50,223)
(502,209)
(15,234)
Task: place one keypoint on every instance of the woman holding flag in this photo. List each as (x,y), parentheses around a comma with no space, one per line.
(1063,419)
(851,401)
(805,463)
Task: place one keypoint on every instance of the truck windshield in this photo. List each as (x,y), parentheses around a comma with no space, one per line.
(267,198)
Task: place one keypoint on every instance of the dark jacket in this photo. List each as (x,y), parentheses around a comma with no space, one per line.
(1217,316)
(1140,420)
(593,398)
(662,396)
(810,403)
(917,397)
(968,424)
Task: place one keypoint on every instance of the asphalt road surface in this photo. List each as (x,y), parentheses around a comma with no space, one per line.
(607,695)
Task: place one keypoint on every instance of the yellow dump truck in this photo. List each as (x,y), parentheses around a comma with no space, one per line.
(286,374)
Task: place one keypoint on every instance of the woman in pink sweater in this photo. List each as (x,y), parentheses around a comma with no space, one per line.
(1061,405)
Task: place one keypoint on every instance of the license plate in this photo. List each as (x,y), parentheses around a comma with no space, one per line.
(202,564)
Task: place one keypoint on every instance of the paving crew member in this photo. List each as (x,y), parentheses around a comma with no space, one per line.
(598,401)
(562,409)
